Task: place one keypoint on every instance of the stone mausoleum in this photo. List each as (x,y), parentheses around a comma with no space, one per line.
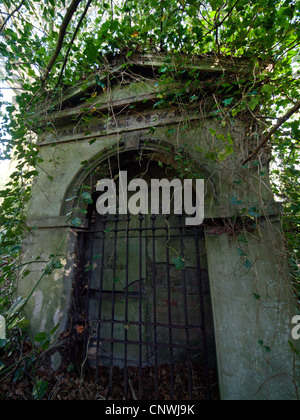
(209,307)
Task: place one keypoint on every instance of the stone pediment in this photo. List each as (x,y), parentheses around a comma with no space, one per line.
(133,82)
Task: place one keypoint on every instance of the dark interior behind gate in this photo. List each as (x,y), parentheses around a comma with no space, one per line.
(142,297)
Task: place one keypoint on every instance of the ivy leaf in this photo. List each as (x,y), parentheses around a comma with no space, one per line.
(40,389)
(91,52)
(76,222)
(254,103)
(241,252)
(88,268)
(26,273)
(227,102)
(2,343)
(40,337)
(235,201)
(253,212)
(266,349)
(179,263)
(58,265)
(247,264)
(99,82)
(86,198)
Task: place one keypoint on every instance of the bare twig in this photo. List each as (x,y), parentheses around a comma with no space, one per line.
(132,390)
(216,26)
(268,380)
(281,121)
(10,15)
(73,39)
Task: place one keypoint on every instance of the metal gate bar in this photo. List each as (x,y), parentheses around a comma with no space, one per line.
(126,310)
(100,297)
(89,277)
(153,217)
(113,306)
(186,316)
(141,219)
(169,326)
(149,343)
(150,324)
(203,320)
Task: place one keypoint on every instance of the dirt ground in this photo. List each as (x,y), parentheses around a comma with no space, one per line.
(32,378)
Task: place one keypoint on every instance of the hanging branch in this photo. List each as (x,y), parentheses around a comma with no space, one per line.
(73,39)
(281,121)
(161,28)
(112,9)
(10,15)
(217,25)
(62,32)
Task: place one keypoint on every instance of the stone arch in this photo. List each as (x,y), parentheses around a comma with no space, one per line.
(162,152)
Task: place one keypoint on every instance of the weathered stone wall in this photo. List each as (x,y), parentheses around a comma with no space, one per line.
(250,289)
(253,308)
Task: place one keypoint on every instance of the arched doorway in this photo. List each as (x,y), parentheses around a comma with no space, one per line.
(143,297)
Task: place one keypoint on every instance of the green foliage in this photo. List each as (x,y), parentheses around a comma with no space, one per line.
(286,175)
(260,30)
(179,263)
(40,389)
(266,32)
(266,349)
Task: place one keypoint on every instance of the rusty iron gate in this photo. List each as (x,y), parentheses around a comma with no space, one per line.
(142,307)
